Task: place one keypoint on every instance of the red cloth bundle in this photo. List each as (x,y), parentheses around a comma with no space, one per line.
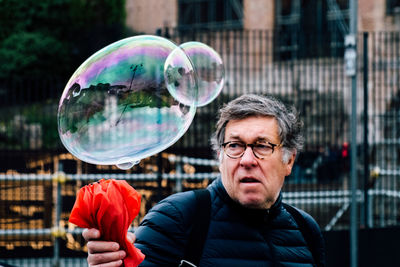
(109,206)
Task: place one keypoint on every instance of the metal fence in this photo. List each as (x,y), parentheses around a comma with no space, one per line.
(35,199)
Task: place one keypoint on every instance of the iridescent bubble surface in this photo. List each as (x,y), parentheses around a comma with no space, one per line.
(209,73)
(116,108)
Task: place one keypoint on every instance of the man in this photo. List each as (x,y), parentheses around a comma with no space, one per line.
(256,141)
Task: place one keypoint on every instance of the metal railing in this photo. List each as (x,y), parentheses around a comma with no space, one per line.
(316,86)
(61,234)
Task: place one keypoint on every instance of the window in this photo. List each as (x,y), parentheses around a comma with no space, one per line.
(205,14)
(310,28)
(392,7)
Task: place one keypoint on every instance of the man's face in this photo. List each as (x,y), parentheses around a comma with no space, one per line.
(254,182)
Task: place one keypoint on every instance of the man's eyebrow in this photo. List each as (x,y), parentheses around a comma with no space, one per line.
(263,139)
(234,136)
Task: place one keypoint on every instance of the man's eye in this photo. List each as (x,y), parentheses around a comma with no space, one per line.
(235,145)
(263,146)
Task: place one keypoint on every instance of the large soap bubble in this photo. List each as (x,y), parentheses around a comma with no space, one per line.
(116,108)
(209,71)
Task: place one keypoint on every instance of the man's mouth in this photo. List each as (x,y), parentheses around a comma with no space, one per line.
(249,180)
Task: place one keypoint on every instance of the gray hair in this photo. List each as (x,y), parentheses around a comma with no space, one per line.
(249,105)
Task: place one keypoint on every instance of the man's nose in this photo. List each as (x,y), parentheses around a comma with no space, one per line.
(248,157)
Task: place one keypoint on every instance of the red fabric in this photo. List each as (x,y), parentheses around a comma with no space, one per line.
(109,206)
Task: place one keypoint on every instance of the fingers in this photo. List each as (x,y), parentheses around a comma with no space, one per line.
(102,253)
(109,264)
(97,246)
(90,234)
(106,259)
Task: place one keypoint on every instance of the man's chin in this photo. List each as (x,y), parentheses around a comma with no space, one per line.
(252,203)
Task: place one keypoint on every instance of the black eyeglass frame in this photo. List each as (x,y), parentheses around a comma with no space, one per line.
(273,146)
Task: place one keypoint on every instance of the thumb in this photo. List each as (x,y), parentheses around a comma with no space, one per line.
(131,237)
(90,234)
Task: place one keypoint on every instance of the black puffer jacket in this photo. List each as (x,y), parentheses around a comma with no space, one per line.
(237,236)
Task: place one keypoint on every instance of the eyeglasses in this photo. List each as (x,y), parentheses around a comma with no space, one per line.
(236,149)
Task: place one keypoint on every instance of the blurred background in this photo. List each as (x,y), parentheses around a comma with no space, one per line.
(292,49)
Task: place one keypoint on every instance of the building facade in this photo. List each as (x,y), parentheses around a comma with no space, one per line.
(146,16)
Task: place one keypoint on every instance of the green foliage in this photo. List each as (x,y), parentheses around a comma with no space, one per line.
(52,37)
(47,16)
(46,40)
(16,123)
(58,17)
(100,12)
(46,116)
(33,54)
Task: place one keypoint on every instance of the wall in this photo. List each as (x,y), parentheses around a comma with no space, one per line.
(146,16)
(259,14)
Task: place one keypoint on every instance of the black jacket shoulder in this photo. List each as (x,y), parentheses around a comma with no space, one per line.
(163,233)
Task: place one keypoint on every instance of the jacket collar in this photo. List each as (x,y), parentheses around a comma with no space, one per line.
(266,214)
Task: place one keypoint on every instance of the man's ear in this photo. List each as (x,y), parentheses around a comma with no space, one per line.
(219,156)
(290,163)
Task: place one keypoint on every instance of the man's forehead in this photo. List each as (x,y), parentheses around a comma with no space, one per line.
(257,120)
(258,128)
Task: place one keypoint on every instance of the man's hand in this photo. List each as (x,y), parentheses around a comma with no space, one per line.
(104,253)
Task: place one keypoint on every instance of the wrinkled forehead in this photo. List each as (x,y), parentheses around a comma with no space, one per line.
(255,128)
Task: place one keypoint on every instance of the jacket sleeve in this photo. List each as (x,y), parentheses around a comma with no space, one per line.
(162,234)
(318,239)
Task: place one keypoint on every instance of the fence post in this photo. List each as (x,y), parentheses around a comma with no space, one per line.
(57,232)
(370,203)
(366,120)
(353,123)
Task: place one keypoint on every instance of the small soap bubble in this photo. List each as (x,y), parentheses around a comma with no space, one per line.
(127,165)
(116,108)
(208,69)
